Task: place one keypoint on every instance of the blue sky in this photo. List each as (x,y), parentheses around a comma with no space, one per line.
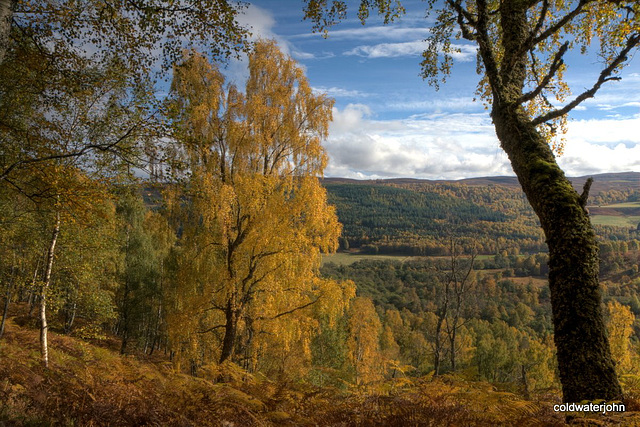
(389,123)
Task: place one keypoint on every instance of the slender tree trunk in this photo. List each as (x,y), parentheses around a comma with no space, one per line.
(43,295)
(5,310)
(70,317)
(452,345)
(125,318)
(32,292)
(6,15)
(584,358)
(437,344)
(525,383)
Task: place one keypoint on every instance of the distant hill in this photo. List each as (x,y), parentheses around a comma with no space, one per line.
(602,182)
(417,217)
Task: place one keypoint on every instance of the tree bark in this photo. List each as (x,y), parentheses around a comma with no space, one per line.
(232,316)
(584,358)
(43,295)
(437,344)
(5,310)
(6,15)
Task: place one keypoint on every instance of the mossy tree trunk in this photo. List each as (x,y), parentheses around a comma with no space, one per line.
(584,359)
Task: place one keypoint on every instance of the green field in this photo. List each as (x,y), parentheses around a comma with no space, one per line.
(616,221)
(342,258)
(623,205)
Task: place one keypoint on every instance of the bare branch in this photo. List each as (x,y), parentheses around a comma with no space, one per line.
(211,329)
(484,43)
(293,309)
(605,76)
(555,66)
(110,147)
(539,24)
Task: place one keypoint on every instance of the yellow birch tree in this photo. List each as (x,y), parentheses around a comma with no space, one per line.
(257,216)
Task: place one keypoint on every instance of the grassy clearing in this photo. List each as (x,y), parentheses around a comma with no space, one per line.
(536,281)
(622,205)
(616,221)
(344,258)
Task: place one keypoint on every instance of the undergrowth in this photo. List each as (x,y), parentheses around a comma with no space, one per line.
(88,385)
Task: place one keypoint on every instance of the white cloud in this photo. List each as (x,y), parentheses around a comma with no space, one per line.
(453,146)
(388,50)
(373,33)
(413,48)
(438,105)
(338,92)
(436,146)
(605,131)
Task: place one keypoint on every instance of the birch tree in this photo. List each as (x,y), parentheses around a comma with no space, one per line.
(258,217)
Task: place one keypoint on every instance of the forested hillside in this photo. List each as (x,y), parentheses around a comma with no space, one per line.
(414,217)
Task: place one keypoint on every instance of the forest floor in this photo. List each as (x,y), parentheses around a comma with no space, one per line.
(91,384)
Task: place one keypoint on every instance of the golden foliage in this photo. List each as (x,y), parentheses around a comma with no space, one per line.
(257,216)
(619,321)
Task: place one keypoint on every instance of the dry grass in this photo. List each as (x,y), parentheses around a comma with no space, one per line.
(89,385)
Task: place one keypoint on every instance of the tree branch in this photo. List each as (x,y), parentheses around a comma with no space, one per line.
(533,41)
(539,24)
(605,76)
(463,14)
(211,329)
(555,66)
(484,44)
(585,192)
(84,150)
(293,309)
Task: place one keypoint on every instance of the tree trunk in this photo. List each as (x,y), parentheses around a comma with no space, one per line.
(125,318)
(5,310)
(6,15)
(437,353)
(43,295)
(525,383)
(230,332)
(452,345)
(584,358)
(70,317)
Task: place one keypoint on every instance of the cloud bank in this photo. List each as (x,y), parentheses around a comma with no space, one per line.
(463,145)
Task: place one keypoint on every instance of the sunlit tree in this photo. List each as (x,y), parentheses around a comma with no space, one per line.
(255,218)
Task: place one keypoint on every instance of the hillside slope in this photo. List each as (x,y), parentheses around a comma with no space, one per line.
(91,385)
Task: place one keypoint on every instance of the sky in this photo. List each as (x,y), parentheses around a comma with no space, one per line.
(389,123)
